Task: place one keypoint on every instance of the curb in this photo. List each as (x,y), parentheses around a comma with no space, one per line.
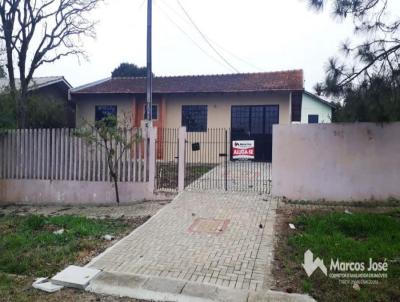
(174,290)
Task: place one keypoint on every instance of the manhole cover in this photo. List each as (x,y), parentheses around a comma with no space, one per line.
(209,226)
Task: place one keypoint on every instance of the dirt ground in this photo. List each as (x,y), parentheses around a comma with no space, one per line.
(135,215)
(112,211)
(23,292)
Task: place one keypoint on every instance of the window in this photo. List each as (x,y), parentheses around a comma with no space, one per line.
(194,117)
(271,117)
(154,112)
(297,99)
(313,118)
(103,111)
(241,118)
(256,120)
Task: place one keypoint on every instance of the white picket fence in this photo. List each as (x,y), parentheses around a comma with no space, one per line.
(57,154)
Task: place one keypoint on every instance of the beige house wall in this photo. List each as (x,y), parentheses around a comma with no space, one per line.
(219,106)
(85,108)
(219,114)
(336,162)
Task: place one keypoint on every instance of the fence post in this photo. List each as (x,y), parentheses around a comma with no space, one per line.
(152,134)
(181,158)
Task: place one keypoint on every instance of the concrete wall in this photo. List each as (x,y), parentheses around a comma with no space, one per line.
(219,106)
(313,106)
(71,192)
(336,162)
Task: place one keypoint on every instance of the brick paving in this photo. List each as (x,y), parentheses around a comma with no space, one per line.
(223,239)
(241,176)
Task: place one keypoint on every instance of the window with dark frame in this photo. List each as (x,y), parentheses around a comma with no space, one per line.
(313,119)
(194,118)
(154,112)
(254,119)
(297,99)
(103,111)
(241,116)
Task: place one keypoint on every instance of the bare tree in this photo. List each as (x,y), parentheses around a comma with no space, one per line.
(35,32)
(115,137)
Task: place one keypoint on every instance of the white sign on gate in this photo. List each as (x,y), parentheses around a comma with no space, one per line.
(243,150)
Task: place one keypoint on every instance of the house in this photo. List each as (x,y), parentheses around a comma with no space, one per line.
(54,89)
(249,103)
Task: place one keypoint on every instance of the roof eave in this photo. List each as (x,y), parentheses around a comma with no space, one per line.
(55,81)
(321,100)
(184,92)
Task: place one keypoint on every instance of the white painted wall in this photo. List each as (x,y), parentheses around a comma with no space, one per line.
(311,105)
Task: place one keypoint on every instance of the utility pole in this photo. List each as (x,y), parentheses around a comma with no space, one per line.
(149,79)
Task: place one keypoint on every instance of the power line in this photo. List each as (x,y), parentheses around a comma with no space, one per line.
(236,56)
(205,38)
(248,63)
(141,5)
(188,36)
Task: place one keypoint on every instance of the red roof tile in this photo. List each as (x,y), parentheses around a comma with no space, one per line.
(244,82)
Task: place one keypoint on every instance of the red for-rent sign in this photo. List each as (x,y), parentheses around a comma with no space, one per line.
(243,150)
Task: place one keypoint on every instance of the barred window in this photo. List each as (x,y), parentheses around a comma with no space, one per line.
(194,117)
(103,111)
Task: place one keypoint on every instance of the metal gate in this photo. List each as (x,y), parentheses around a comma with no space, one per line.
(167,159)
(210,165)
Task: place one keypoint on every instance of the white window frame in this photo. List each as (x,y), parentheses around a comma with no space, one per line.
(158,112)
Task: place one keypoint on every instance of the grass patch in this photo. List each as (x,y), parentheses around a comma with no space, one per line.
(29,247)
(350,238)
(18,289)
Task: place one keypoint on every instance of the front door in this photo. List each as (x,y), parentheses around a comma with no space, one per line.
(254,123)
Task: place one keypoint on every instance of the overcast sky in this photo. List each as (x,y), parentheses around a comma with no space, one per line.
(269,35)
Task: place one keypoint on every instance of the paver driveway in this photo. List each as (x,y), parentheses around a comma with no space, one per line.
(224,239)
(242,176)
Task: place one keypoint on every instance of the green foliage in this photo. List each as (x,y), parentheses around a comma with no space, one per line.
(28,245)
(45,112)
(365,74)
(350,238)
(129,70)
(7,112)
(355,237)
(375,100)
(42,112)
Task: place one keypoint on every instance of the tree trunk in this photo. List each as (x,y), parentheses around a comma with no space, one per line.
(116,188)
(113,175)
(22,105)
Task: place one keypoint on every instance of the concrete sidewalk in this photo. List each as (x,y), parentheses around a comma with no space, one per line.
(221,241)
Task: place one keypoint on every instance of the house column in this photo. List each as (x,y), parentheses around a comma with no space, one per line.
(133,113)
